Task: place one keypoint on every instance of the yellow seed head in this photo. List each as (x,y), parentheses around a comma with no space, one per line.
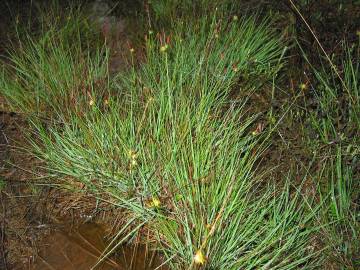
(163,48)
(303,86)
(91,102)
(235,18)
(133,162)
(155,202)
(132,154)
(132,50)
(199,257)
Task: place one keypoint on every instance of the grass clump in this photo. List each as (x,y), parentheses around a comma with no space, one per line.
(56,73)
(336,146)
(172,149)
(337,117)
(340,213)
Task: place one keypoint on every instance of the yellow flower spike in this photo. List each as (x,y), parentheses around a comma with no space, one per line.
(303,86)
(155,202)
(163,48)
(91,102)
(235,18)
(132,50)
(199,258)
(133,162)
(132,154)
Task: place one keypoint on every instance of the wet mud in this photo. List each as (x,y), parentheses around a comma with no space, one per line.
(80,248)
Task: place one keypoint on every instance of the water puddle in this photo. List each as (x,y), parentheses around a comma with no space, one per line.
(81,248)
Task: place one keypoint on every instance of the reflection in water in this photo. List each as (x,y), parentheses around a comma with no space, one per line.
(80,249)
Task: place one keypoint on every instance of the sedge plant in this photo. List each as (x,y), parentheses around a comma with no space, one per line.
(55,73)
(336,147)
(172,150)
